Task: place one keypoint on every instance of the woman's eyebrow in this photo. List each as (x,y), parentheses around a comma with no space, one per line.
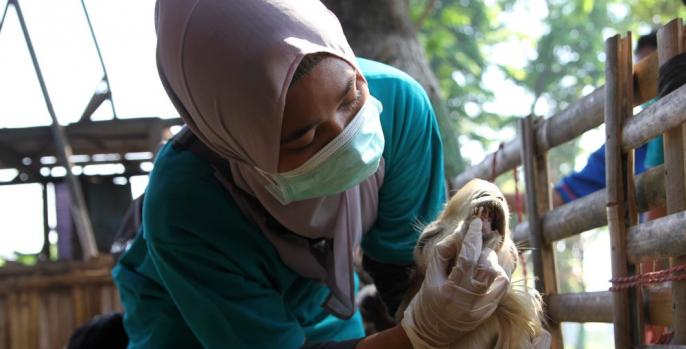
(348,87)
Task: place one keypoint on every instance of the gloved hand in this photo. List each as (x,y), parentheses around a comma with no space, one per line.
(543,341)
(454,300)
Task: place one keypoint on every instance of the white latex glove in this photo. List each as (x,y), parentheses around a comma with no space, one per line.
(543,341)
(454,300)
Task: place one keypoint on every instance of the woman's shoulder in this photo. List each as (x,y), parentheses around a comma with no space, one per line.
(178,174)
(374,70)
(400,94)
(184,192)
(185,205)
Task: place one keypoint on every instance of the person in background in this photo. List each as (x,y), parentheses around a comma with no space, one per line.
(592,177)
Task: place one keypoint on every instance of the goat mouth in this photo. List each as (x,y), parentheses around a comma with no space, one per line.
(491,214)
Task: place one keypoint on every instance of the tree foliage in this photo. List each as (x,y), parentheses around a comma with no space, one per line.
(566,61)
(454,34)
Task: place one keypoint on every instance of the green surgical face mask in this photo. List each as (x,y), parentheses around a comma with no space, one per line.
(347,160)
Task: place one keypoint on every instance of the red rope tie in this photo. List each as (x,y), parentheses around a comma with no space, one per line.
(675,273)
(518,209)
(518,200)
(493,163)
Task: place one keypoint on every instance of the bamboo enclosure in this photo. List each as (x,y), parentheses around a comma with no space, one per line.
(619,204)
(40,306)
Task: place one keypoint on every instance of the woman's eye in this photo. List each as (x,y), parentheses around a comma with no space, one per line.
(352,104)
(303,142)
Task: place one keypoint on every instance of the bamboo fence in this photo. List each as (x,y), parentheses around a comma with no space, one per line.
(616,206)
(42,305)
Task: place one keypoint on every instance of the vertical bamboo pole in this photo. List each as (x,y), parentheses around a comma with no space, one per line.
(84,228)
(539,201)
(670,44)
(24,320)
(67,315)
(45,250)
(4,322)
(14,314)
(617,108)
(33,329)
(79,309)
(635,294)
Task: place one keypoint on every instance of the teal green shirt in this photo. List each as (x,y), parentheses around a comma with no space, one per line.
(654,154)
(200,274)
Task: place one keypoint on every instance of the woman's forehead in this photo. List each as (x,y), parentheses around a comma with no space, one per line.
(321,89)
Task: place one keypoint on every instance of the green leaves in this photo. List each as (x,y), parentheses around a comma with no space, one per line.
(586,6)
(563,41)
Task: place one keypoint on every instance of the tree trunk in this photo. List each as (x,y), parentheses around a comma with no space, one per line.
(383,31)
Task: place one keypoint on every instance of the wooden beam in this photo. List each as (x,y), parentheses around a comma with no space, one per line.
(660,238)
(79,212)
(616,111)
(96,137)
(597,306)
(666,113)
(102,276)
(539,202)
(581,307)
(645,79)
(532,202)
(670,44)
(588,212)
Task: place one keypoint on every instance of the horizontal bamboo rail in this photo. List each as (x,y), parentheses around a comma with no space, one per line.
(660,238)
(581,116)
(597,306)
(37,283)
(666,113)
(588,212)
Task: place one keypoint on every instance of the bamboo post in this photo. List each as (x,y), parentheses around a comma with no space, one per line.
(79,212)
(33,329)
(618,93)
(45,250)
(636,294)
(4,322)
(670,44)
(538,202)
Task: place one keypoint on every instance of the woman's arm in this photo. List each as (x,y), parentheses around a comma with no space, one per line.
(392,338)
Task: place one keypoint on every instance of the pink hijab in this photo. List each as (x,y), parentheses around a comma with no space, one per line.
(227,66)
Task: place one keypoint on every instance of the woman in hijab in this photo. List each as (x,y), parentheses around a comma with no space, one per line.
(295,153)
